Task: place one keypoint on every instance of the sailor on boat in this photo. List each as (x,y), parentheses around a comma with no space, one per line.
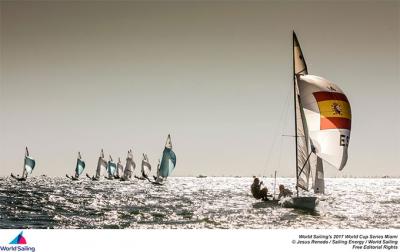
(284,192)
(257,191)
(29,165)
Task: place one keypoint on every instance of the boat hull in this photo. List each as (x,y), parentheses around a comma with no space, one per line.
(267,204)
(18,178)
(305,203)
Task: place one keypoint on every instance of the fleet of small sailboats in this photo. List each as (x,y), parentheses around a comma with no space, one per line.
(322,128)
(115,170)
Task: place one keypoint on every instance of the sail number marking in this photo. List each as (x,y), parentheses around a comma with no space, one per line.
(344,140)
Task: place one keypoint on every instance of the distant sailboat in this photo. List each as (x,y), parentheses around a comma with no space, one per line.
(101,164)
(120,170)
(111,169)
(168,162)
(29,165)
(129,167)
(322,127)
(80,166)
(146,168)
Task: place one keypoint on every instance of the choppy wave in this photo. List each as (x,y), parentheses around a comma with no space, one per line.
(212,202)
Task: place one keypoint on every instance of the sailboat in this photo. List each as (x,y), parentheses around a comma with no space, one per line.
(146,168)
(29,165)
(168,162)
(80,166)
(111,169)
(101,164)
(120,170)
(322,128)
(129,167)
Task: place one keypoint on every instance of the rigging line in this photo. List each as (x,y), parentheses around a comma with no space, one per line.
(292,136)
(303,70)
(304,165)
(282,117)
(285,119)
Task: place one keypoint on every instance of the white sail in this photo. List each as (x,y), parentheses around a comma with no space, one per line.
(168,143)
(146,167)
(318,171)
(303,150)
(101,164)
(129,167)
(300,66)
(120,168)
(302,137)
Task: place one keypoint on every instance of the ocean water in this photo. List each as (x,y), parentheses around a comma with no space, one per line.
(186,202)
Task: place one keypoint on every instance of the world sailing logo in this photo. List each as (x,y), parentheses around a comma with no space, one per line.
(17,244)
(19,239)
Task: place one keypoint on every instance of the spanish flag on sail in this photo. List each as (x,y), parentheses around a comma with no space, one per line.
(334,109)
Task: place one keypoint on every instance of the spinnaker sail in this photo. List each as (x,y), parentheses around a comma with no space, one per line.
(168,160)
(29,164)
(80,166)
(111,168)
(328,115)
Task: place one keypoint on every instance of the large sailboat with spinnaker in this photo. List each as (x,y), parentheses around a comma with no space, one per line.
(322,118)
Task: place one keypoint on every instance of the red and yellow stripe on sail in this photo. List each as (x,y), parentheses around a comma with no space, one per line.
(334,109)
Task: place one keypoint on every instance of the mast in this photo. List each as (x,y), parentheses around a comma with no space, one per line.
(295,116)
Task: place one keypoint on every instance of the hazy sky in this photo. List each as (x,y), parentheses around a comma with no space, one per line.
(83,76)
